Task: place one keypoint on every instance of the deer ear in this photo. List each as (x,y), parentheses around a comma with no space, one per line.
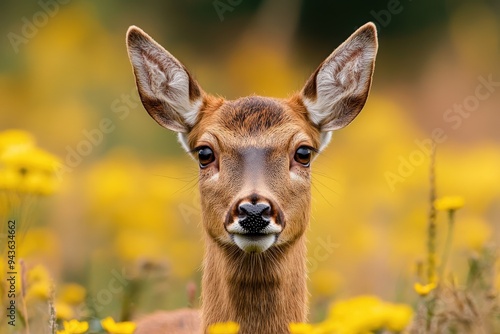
(337,91)
(168,92)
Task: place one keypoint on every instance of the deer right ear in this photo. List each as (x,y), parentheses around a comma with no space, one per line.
(337,91)
(168,92)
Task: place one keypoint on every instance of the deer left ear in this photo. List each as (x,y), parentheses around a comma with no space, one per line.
(337,91)
(168,92)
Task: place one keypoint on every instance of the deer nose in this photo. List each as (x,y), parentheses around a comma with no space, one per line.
(254,217)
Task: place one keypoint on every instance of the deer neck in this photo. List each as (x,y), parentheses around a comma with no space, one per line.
(262,292)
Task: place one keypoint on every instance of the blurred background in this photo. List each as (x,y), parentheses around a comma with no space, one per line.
(128,199)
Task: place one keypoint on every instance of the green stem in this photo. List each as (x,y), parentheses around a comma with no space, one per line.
(431,228)
(448,242)
(129,296)
(23,296)
(431,240)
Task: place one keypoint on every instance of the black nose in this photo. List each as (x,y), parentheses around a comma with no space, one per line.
(254,217)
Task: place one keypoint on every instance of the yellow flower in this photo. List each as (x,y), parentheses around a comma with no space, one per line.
(398,317)
(15,139)
(300,328)
(112,327)
(24,167)
(38,274)
(72,293)
(39,283)
(74,327)
(229,327)
(30,158)
(424,289)
(63,311)
(449,203)
(39,290)
(365,314)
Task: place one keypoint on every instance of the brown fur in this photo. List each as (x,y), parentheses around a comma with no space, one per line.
(182,321)
(263,292)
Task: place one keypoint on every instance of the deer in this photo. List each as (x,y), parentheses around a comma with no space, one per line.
(254,155)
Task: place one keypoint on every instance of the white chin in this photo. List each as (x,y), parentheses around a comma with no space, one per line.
(254,244)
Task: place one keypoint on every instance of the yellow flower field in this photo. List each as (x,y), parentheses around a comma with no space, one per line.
(103,204)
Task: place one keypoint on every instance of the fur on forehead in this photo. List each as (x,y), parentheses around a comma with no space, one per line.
(256,117)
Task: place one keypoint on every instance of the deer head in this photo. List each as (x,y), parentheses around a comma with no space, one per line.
(255,153)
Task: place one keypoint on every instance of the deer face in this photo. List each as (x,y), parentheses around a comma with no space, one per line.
(255,153)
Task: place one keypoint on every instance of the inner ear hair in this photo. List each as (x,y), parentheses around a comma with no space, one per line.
(337,91)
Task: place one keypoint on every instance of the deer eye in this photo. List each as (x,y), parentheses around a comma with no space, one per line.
(303,156)
(205,156)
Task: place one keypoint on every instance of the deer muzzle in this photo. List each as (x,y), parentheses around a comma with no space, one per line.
(254,223)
